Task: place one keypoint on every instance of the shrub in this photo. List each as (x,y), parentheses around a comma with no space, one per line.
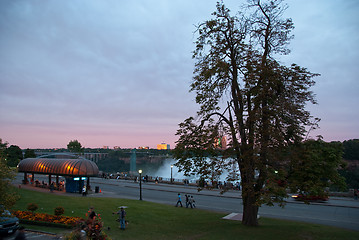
(32,207)
(74,235)
(59,211)
(93,230)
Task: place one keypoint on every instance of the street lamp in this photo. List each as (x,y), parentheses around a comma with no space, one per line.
(171,174)
(140,172)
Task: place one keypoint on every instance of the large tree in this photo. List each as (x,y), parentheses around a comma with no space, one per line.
(250,98)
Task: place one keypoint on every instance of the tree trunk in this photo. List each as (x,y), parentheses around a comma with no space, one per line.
(250,211)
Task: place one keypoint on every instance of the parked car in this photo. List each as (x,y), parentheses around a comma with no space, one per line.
(310,198)
(8,222)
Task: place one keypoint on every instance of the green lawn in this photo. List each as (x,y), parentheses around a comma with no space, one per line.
(156,221)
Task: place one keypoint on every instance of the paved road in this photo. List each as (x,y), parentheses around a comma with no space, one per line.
(339,212)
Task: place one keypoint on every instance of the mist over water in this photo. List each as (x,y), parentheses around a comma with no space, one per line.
(164,171)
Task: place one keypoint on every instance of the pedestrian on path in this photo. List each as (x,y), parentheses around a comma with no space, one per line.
(193,202)
(84,191)
(187,200)
(190,203)
(179,201)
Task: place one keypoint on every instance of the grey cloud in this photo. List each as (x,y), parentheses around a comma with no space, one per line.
(116,67)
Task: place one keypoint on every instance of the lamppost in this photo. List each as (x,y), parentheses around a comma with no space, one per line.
(171,174)
(140,172)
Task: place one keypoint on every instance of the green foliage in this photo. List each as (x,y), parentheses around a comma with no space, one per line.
(314,165)
(32,207)
(351,177)
(351,149)
(13,155)
(29,153)
(74,146)
(8,196)
(74,235)
(58,211)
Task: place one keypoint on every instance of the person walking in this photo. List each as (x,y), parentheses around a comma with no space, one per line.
(190,203)
(187,200)
(179,201)
(193,202)
(84,191)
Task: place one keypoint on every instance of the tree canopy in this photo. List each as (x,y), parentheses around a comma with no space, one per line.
(29,153)
(74,146)
(351,149)
(8,196)
(313,167)
(13,155)
(248,97)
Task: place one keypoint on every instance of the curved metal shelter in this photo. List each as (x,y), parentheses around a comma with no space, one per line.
(63,167)
(72,167)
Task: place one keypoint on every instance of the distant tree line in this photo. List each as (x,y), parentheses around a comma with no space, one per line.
(114,162)
(351,149)
(351,155)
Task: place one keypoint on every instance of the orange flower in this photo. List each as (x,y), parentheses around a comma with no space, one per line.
(44,217)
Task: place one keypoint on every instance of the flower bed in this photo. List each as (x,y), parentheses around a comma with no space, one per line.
(47,218)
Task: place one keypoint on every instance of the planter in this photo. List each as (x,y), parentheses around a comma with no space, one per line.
(46,224)
(44,218)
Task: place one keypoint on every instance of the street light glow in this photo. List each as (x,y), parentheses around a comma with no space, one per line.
(140,171)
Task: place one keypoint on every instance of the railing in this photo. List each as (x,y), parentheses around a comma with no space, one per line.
(176,181)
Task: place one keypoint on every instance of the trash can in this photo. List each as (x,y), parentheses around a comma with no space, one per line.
(97,189)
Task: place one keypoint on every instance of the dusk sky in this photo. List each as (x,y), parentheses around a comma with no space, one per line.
(117,73)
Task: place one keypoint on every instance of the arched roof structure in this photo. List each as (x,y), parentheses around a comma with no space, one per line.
(69,166)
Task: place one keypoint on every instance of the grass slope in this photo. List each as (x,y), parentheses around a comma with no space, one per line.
(156,221)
